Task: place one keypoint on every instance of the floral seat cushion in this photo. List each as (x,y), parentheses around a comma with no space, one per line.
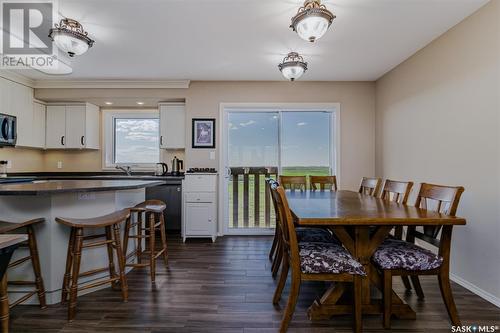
(316,258)
(398,254)
(315,235)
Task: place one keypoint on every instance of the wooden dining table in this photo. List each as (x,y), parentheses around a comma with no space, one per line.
(361,223)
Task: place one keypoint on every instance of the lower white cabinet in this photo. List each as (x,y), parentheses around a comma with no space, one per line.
(199,202)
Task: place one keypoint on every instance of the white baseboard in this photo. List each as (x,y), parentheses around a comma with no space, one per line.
(476,290)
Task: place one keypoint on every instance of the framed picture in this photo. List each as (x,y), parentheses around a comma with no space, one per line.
(203,133)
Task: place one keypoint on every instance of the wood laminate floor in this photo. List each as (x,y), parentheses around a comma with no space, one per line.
(227,287)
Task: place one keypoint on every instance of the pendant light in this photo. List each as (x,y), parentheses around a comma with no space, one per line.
(70,37)
(312,20)
(293,66)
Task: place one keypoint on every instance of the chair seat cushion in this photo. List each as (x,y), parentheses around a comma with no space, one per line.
(315,235)
(330,258)
(398,254)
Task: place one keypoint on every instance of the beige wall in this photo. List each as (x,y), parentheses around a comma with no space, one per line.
(203,99)
(357,115)
(438,121)
(22,159)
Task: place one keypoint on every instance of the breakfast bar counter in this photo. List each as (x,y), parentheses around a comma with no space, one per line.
(64,198)
(46,187)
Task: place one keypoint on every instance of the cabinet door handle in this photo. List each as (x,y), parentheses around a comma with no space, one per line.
(62,140)
(82,140)
(161,140)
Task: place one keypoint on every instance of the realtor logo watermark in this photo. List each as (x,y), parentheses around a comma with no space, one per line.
(25,41)
(475,329)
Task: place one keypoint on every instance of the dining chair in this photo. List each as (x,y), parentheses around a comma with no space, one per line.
(303,235)
(370,186)
(293,182)
(312,262)
(396,257)
(399,192)
(323,183)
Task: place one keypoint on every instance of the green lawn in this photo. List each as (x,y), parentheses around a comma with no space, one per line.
(287,171)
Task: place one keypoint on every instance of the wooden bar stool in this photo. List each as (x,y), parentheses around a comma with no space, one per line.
(27,227)
(111,225)
(152,210)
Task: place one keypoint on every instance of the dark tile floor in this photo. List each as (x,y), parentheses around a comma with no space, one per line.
(227,287)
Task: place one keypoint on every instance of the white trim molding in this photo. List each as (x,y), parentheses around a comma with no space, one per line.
(18,78)
(476,290)
(112,84)
(94,84)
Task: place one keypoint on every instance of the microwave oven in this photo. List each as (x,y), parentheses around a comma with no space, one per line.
(8,126)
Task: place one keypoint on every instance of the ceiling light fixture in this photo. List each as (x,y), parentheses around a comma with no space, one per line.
(293,66)
(70,37)
(140,103)
(108,103)
(312,20)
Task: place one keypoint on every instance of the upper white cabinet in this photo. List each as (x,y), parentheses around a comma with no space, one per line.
(172,126)
(72,126)
(38,131)
(17,100)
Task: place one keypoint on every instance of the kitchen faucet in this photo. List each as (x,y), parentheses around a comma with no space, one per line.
(127,169)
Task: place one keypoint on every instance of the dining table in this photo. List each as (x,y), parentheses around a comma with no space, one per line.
(361,222)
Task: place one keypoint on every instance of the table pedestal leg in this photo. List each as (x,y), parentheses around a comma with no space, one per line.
(361,245)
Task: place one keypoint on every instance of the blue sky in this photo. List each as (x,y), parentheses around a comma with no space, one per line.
(253,139)
(136,141)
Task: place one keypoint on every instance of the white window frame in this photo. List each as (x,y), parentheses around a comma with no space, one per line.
(108,135)
(225,108)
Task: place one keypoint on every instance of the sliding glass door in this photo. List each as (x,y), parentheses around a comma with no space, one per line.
(266,143)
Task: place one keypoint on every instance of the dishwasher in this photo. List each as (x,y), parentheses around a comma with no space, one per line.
(171,194)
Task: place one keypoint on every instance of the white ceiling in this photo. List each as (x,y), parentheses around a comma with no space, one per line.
(246,39)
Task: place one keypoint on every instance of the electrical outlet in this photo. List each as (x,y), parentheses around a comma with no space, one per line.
(9,164)
(59,164)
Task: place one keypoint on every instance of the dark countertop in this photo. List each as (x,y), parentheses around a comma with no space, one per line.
(168,179)
(44,187)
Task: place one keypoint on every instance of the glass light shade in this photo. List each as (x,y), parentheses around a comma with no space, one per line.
(70,44)
(292,72)
(312,27)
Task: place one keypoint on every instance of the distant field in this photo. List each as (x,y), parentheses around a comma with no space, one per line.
(287,171)
(306,171)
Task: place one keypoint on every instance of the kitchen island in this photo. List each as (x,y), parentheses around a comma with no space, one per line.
(65,198)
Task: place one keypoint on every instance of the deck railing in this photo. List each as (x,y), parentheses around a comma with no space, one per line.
(249,198)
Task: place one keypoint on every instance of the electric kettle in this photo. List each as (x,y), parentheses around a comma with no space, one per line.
(161,169)
(177,166)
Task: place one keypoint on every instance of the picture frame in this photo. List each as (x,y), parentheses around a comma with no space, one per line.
(203,133)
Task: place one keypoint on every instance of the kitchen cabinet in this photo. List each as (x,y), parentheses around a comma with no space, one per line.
(17,100)
(199,217)
(38,129)
(172,125)
(73,126)
(56,126)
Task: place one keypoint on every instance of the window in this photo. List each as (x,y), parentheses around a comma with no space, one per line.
(131,138)
(267,142)
(306,143)
(136,141)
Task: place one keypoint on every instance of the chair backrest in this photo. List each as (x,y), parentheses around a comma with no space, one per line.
(293,182)
(396,191)
(271,182)
(289,238)
(370,186)
(442,199)
(323,183)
